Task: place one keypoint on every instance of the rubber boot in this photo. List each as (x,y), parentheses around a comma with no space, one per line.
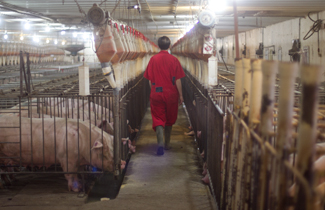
(168,132)
(160,140)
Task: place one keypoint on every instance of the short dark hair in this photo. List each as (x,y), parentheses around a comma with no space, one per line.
(164,42)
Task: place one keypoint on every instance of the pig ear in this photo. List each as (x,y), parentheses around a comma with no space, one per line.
(97,145)
(102,124)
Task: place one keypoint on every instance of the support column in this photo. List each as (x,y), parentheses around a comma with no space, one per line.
(213,71)
(117,134)
(84,88)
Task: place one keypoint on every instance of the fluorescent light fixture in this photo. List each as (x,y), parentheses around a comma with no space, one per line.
(63,42)
(47,29)
(47,41)
(35,39)
(85,35)
(27,25)
(62,32)
(21,38)
(55,41)
(218,5)
(74,34)
(5,36)
(134,7)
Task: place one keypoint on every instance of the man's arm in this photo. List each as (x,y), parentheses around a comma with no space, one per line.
(179,88)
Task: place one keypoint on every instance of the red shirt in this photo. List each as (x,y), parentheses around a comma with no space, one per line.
(163,70)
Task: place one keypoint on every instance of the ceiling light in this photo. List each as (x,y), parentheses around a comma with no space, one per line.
(27,25)
(134,7)
(85,35)
(55,41)
(21,37)
(63,42)
(75,34)
(47,29)
(35,39)
(137,6)
(47,41)
(5,36)
(218,5)
(62,32)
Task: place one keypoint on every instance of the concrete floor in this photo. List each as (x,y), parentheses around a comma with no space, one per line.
(171,181)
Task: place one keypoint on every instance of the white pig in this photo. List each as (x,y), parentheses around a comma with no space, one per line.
(48,112)
(97,152)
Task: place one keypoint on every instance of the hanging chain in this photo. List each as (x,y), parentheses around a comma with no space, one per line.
(80,9)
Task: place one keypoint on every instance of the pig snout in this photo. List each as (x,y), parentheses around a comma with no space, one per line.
(206,179)
(131,147)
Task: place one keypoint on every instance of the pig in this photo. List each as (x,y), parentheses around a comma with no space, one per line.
(97,151)
(206,179)
(132,147)
(48,112)
(191,133)
(75,103)
(319,165)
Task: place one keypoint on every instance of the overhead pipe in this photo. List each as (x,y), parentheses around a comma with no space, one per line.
(25,11)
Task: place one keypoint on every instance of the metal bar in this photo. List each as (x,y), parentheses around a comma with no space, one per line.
(66,134)
(116,112)
(31,132)
(78,128)
(89,129)
(54,136)
(236,29)
(21,72)
(310,76)
(43,135)
(20,164)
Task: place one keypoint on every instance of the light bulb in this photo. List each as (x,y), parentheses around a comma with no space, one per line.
(27,25)
(218,5)
(62,32)
(55,41)
(21,38)
(47,29)
(47,41)
(5,36)
(85,36)
(35,39)
(75,35)
(63,42)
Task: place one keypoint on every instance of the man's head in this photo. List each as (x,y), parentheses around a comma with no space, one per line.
(164,43)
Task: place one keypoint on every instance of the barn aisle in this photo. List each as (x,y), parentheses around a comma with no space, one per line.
(171,181)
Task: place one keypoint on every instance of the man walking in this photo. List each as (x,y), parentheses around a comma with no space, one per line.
(164,73)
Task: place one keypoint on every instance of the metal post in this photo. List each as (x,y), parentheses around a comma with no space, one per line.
(288,72)
(310,76)
(236,29)
(21,72)
(269,69)
(117,139)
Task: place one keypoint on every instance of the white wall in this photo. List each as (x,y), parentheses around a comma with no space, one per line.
(280,35)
